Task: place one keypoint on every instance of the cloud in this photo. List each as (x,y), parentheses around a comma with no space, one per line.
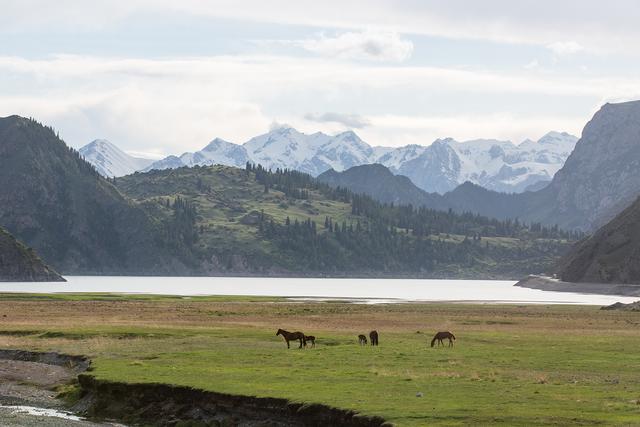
(172,105)
(565,48)
(587,22)
(354,121)
(366,45)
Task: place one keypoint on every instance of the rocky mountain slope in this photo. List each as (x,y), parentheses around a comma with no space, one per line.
(19,263)
(610,255)
(77,221)
(440,167)
(111,161)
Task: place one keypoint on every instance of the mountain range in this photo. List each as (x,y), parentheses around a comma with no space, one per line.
(599,179)
(439,167)
(224,220)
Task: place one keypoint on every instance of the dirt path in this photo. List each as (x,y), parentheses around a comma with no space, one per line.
(28,396)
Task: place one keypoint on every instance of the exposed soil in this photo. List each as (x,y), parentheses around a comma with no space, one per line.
(549,284)
(28,382)
(166,405)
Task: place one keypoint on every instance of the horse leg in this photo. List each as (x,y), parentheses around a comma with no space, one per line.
(300,343)
(288,346)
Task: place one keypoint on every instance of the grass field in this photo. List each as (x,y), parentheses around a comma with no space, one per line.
(512,365)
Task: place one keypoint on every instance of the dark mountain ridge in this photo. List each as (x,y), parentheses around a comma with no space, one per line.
(19,263)
(610,255)
(77,221)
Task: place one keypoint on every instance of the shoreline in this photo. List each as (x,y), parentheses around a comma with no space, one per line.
(545,283)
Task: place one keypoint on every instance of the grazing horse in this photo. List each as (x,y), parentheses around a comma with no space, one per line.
(362,339)
(443,336)
(373,336)
(291,336)
(310,338)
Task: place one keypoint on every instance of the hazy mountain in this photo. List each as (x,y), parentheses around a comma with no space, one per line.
(19,263)
(78,222)
(611,255)
(377,181)
(601,177)
(111,161)
(440,167)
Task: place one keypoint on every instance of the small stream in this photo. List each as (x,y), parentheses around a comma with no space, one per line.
(21,415)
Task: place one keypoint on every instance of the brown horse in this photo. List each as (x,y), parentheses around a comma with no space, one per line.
(443,336)
(373,337)
(291,336)
(310,338)
(362,340)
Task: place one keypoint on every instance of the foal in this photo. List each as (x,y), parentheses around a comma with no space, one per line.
(443,336)
(310,338)
(291,336)
(362,340)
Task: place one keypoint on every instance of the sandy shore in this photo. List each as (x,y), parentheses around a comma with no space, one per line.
(545,283)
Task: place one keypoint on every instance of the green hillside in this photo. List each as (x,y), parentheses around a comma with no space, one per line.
(234,221)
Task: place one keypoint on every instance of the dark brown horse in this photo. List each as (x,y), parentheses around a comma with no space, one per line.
(362,339)
(311,339)
(443,336)
(373,337)
(291,336)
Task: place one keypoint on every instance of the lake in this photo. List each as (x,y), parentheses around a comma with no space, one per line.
(358,290)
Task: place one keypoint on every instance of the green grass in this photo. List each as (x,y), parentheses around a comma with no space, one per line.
(488,378)
(511,365)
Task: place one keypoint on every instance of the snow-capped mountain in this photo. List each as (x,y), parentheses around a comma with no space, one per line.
(217,151)
(111,161)
(493,164)
(283,147)
(439,167)
(313,154)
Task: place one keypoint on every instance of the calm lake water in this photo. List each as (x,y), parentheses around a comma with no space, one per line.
(360,290)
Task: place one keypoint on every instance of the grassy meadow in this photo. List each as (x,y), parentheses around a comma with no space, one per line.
(511,365)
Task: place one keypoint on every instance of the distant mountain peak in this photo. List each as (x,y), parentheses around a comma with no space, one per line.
(109,160)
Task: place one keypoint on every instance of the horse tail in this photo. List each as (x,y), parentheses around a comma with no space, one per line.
(433,341)
(304,340)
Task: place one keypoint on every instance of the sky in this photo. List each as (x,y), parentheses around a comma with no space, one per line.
(165,77)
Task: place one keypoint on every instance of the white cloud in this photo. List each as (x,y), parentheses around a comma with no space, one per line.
(565,48)
(588,23)
(352,121)
(368,45)
(168,106)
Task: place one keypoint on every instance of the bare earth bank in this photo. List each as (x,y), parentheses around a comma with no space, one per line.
(546,283)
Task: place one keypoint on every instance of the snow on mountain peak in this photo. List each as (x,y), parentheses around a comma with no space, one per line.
(111,161)
(440,167)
